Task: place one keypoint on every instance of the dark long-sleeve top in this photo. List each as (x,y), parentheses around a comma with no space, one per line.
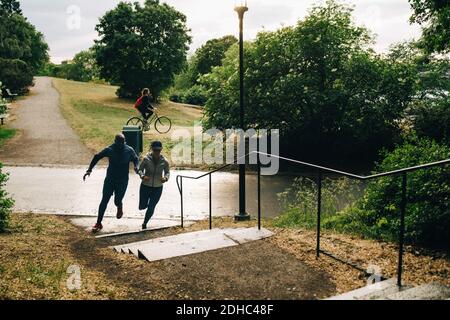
(146,103)
(119,161)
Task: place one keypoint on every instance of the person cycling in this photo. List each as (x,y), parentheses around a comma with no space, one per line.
(143,104)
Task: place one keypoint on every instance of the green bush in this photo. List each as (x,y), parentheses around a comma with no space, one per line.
(176,97)
(299,202)
(15,74)
(6,203)
(377,214)
(433,121)
(195,95)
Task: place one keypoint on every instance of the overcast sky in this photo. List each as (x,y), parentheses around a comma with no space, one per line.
(67,34)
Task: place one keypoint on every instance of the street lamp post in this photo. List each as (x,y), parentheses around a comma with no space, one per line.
(241,10)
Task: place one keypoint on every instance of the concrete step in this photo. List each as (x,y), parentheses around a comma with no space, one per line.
(244,235)
(133,248)
(384,293)
(161,251)
(388,290)
(178,238)
(430,291)
(358,294)
(192,242)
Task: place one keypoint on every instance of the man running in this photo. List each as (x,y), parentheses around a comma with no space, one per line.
(120,155)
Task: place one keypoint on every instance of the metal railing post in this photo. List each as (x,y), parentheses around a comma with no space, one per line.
(259,196)
(210,203)
(181,191)
(319,211)
(402,231)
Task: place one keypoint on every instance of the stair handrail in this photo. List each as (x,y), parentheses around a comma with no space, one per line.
(320,169)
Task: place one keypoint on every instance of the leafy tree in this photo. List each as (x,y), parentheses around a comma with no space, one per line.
(210,55)
(87,65)
(187,87)
(9,7)
(428,114)
(320,84)
(141,46)
(39,50)
(183,80)
(83,67)
(434,16)
(49,69)
(16,75)
(22,48)
(6,203)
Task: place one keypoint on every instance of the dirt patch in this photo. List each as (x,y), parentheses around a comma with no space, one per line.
(49,244)
(420,266)
(257,270)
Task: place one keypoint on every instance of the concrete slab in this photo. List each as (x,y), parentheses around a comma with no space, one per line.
(179,238)
(365,291)
(113,226)
(161,251)
(132,248)
(192,242)
(431,291)
(248,234)
(384,293)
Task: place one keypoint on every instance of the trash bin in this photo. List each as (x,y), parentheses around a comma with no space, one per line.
(133,137)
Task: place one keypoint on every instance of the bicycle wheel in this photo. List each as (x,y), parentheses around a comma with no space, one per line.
(135,121)
(163,124)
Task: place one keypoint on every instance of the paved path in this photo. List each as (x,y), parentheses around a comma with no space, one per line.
(45,136)
(61,190)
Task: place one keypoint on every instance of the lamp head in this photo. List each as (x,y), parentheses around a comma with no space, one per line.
(241,9)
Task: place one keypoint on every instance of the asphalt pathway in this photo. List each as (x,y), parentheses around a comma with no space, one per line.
(44,136)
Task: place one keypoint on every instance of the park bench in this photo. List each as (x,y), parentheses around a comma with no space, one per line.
(11,96)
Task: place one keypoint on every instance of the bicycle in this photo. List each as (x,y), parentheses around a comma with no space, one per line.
(162,124)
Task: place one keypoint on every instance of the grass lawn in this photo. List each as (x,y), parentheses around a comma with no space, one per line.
(96,114)
(5,134)
(35,255)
